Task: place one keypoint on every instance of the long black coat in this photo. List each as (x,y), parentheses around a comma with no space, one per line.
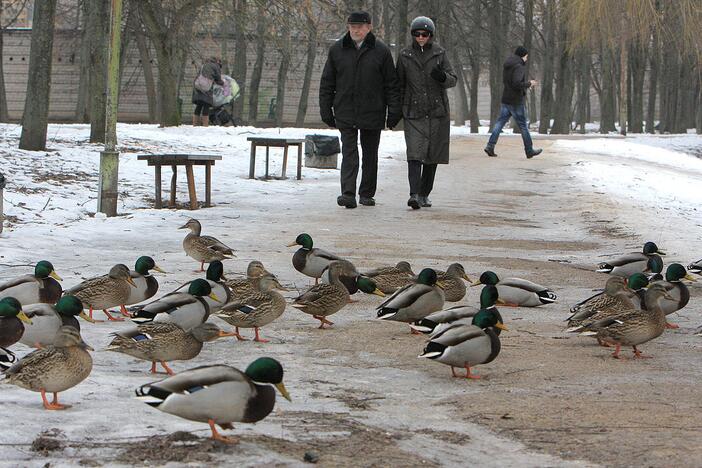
(359,86)
(212,71)
(514,80)
(425,104)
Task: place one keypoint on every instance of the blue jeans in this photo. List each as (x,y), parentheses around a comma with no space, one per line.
(519,114)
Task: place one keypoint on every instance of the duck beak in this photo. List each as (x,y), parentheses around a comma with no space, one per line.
(214,297)
(131,281)
(85,317)
(222,334)
(501,301)
(283,391)
(159,269)
(55,276)
(184,226)
(223,278)
(85,345)
(378,292)
(689,277)
(23,317)
(292,245)
(476,283)
(467,278)
(501,326)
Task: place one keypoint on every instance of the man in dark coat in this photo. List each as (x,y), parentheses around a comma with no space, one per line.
(425,73)
(515,86)
(358,93)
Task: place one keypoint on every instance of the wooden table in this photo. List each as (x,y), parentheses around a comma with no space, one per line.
(187,160)
(275,142)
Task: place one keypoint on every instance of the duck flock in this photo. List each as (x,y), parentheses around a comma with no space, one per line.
(37,312)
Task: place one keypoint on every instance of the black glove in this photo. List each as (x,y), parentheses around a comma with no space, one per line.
(438,74)
(393,120)
(329,120)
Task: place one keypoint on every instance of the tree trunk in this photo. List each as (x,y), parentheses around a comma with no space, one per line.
(637,61)
(474,59)
(36,105)
(565,83)
(285,53)
(545,113)
(240,43)
(4,114)
(623,71)
(654,64)
(461,111)
(698,120)
(583,89)
(309,68)
(402,26)
(149,82)
(608,99)
(258,65)
(82,108)
(97,28)
(387,26)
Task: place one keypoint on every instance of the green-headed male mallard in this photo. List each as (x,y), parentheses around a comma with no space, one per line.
(414,301)
(353,280)
(311,261)
(204,249)
(323,300)
(460,314)
(677,290)
(452,279)
(164,341)
(467,346)
(255,310)
(41,287)
(695,267)
(106,291)
(518,292)
(219,394)
(47,320)
(218,285)
(618,297)
(635,262)
(145,285)
(12,323)
(391,278)
(243,287)
(185,309)
(634,327)
(55,368)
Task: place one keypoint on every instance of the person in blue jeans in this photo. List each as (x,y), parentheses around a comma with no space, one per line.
(515,87)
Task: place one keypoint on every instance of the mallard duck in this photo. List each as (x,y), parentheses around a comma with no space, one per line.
(218,285)
(414,301)
(323,300)
(311,261)
(467,346)
(635,262)
(187,310)
(204,249)
(634,327)
(47,320)
(12,320)
(243,287)
(452,279)
(695,267)
(461,314)
(146,286)
(219,394)
(41,287)
(517,292)
(617,298)
(353,280)
(7,358)
(256,310)
(391,278)
(104,292)
(163,342)
(678,292)
(53,369)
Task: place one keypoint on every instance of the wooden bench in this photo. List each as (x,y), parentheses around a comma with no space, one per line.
(274,142)
(187,160)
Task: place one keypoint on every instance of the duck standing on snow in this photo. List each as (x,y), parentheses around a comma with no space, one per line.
(467,346)
(185,309)
(518,292)
(391,278)
(12,320)
(243,287)
(104,292)
(218,285)
(452,279)
(41,287)
(204,249)
(146,286)
(414,301)
(53,369)
(164,341)
(47,320)
(635,262)
(677,290)
(323,300)
(219,394)
(311,261)
(461,314)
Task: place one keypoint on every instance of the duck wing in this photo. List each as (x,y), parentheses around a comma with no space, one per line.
(215,244)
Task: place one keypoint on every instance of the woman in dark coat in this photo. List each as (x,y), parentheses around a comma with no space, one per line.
(425,73)
(212,69)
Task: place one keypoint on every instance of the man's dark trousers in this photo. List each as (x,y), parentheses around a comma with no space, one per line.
(370,139)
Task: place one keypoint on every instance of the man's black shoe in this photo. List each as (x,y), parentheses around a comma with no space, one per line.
(346,200)
(367,201)
(490,151)
(413,201)
(533,153)
(424,202)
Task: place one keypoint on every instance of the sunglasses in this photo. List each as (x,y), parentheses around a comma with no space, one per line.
(421,34)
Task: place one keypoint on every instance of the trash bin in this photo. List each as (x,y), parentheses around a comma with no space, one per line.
(322,151)
(2,186)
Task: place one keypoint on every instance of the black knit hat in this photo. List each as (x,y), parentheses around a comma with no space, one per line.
(359,17)
(521,51)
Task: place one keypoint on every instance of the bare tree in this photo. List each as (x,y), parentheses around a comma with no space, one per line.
(97,24)
(12,9)
(312,28)
(257,71)
(241,17)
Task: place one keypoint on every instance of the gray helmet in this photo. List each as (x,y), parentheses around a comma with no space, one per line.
(422,22)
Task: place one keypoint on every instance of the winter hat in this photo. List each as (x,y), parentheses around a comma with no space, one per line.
(359,17)
(423,23)
(521,51)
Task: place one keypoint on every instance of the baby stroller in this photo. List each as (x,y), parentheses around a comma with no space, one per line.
(222,98)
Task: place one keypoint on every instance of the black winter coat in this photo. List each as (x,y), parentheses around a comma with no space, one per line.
(359,86)
(514,79)
(425,104)
(212,71)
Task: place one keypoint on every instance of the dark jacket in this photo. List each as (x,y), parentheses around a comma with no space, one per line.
(514,79)
(425,104)
(359,86)
(212,71)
